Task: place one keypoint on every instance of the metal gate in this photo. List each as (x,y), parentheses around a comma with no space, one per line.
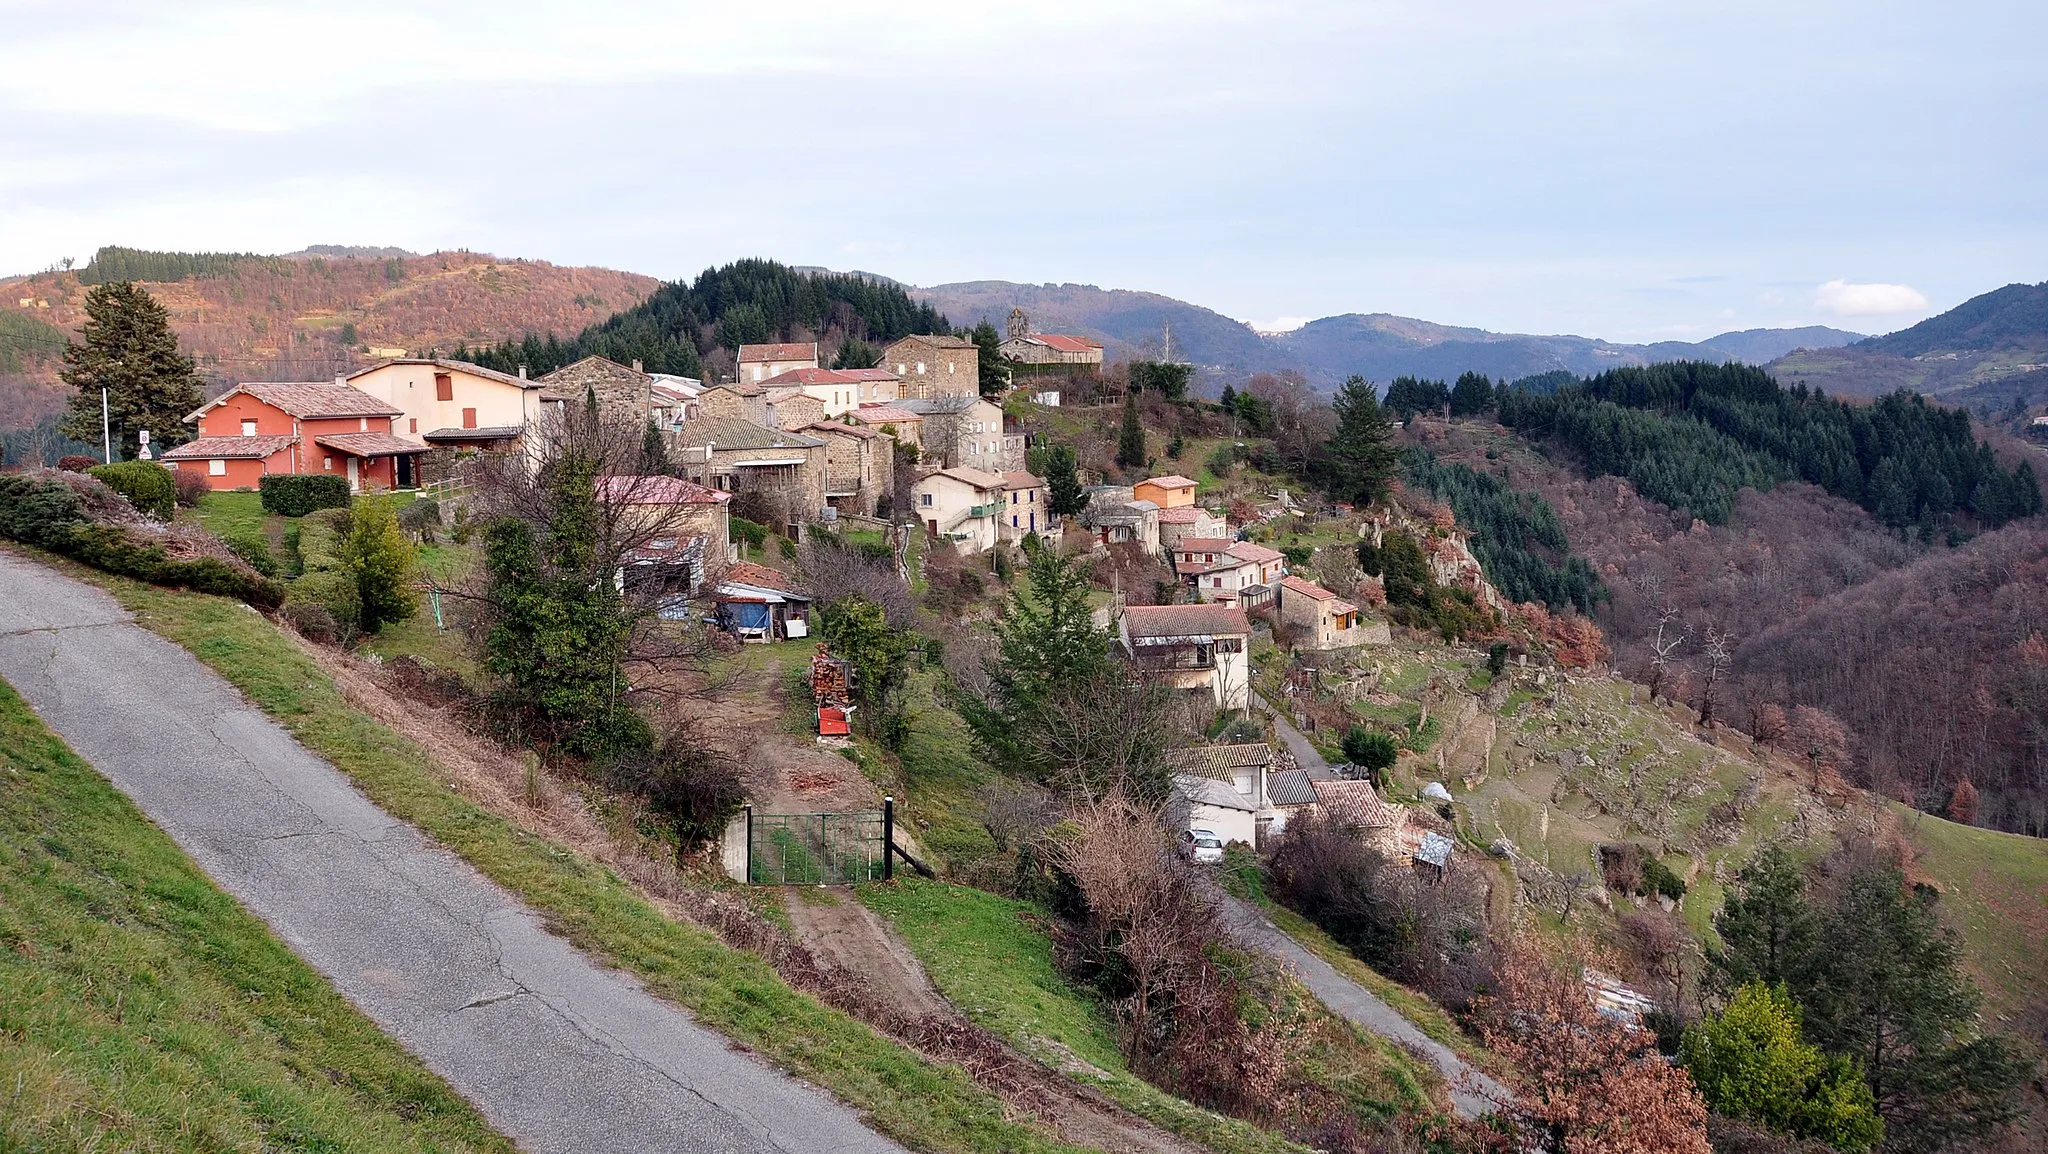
(817,849)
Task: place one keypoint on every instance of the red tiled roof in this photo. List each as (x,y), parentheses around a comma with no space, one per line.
(369,444)
(307,400)
(795,351)
(1180,515)
(748,573)
(871,374)
(235,448)
(1170,481)
(1203,544)
(1246,551)
(456,366)
(842,428)
(743,388)
(802,377)
(658,490)
(1306,588)
(1020,480)
(1065,344)
(885,415)
(1167,621)
(1356,803)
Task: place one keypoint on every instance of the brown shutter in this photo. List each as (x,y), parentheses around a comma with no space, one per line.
(444,387)
(469,418)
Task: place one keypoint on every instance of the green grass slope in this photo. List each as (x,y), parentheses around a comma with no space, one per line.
(142,1009)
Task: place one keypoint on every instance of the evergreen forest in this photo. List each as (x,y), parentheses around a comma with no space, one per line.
(1692,434)
(1516,536)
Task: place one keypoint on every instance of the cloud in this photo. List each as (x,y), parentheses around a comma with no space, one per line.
(1868,300)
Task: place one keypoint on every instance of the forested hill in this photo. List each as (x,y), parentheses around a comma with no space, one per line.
(2015,316)
(682,325)
(1692,435)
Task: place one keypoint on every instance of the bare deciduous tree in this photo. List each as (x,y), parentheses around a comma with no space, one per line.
(1715,658)
(1668,641)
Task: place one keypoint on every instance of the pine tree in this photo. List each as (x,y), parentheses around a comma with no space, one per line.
(130,351)
(653,450)
(1362,455)
(1765,925)
(1063,482)
(1473,394)
(1130,444)
(987,343)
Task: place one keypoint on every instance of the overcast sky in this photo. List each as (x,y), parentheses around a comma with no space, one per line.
(1630,169)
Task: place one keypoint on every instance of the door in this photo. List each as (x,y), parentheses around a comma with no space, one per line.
(405,471)
(354,482)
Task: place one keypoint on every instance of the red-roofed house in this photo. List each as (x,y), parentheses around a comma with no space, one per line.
(1195,648)
(1187,521)
(1323,620)
(1358,807)
(298,427)
(1051,349)
(681,530)
(757,363)
(1234,572)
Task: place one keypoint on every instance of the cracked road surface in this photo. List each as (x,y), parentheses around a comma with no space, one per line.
(559,1053)
(1473,1094)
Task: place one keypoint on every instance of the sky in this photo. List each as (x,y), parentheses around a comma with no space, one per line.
(1629,169)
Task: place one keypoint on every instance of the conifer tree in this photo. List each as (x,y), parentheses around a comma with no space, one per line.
(1130,445)
(380,556)
(987,342)
(1063,482)
(130,351)
(1362,455)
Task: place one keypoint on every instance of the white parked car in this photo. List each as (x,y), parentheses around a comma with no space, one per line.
(1202,847)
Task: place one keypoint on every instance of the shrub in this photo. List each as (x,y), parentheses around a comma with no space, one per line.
(254,549)
(376,553)
(1374,752)
(297,494)
(1659,880)
(76,462)
(312,622)
(753,533)
(38,512)
(48,514)
(332,592)
(148,486)
(693,791)
(320,539)
(422,519)
(1298,556)
(191,485)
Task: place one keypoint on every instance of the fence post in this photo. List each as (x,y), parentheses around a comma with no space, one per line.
(888,838)
(750,842)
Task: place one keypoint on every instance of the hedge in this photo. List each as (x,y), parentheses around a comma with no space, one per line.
(320,537)
(297,494)
(148,486)
(333,591)
(753,533)
(48,515)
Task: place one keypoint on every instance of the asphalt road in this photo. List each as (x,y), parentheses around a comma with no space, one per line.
(559,1053)
(1473,1094)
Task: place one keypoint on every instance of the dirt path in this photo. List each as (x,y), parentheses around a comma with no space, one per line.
(846,938)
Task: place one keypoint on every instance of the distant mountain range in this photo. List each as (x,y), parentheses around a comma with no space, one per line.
(1377,346)
(1986,352)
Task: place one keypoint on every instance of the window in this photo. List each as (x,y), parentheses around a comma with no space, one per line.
(949,368)
(217,467)
(248,428)
(327,463)
(899,368)
(920,368)
(469,418)
(444,387)
(925,499)
(1230,645)
(362,424)
(1013,498)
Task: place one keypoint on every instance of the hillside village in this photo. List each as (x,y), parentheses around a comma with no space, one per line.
(1173,773)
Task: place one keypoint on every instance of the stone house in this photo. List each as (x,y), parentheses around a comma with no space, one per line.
(257,428)
(963,506)
(878,386)
(967,432)
(860,466)
(680,535)
(1197,649)
(1051,349)
(935,366)
(1323,620)
(623,393)
(1188,521)
(756,364)
(782,469)
(1168,492)
(739,402)
(1226,784)
(1114,517)
(894,420)
(1025,509)
(452,406)
(791,408)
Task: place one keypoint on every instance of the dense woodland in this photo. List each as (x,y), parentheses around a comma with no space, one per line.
(1693,435)
(747,302)
(114,263)
(1516,535)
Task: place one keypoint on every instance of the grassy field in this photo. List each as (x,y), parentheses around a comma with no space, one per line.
(142,1009)
(926,1106)
(1995,893)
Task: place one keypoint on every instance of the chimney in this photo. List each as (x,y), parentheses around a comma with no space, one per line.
(522,372)
(340,380)
(636,365)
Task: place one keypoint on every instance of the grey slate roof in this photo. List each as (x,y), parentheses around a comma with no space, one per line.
(1290,787)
